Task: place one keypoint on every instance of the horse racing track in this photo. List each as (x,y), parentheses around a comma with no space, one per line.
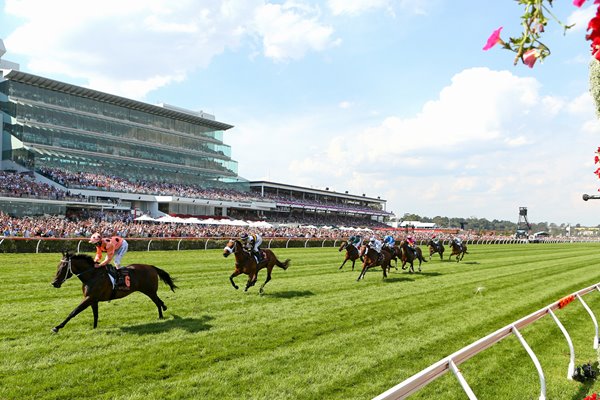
(316,333)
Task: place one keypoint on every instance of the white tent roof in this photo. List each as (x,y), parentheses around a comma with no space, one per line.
(168,218)
(145,217)
(259,224)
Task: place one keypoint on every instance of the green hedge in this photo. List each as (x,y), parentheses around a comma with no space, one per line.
(51,245)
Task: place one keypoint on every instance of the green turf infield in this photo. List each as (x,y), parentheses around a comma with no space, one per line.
(316,333)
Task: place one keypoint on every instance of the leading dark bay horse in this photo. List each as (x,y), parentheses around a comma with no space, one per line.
(458,250)
(245,263)
(351,253)
(98,287)
(436,247)
(371,258)
(409,255)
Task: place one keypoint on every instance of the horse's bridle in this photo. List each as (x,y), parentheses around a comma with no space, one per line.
(70,270)
(232,248)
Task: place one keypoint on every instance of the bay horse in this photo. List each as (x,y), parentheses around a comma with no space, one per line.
(245,263)
(351,253)
(371,258)
(458,251)
(436,248)
(97,285)
(408,256)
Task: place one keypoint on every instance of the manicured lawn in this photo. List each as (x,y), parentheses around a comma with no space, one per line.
(316,333)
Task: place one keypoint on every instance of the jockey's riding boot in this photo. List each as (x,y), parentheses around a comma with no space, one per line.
(257,255)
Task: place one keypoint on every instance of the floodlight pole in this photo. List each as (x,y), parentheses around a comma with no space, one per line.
(587,197)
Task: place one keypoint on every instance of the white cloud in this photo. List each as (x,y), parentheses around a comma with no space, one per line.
(134,47)
(289,31)
(488,144)
(356,7)
(580,17)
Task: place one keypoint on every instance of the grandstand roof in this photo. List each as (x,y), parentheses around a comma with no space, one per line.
(46,83)
(312,190)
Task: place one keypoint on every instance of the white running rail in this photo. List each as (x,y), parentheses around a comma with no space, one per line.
(451,363)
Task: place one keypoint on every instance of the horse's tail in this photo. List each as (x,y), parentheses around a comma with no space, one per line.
(166,278)
(284,264)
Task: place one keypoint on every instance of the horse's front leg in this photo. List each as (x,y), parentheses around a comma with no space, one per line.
(345,263)
(252,278)
(82,306)
(235,273)
(95,311)
(362,272)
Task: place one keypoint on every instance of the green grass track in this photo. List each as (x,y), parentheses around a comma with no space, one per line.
(316,333)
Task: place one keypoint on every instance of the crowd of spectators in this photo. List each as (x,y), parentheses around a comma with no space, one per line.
(24,185)
(119,184)
(82,225)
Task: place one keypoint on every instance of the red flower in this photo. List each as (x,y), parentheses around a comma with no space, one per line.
(596,159)
(530,57)
(494,39)
(578,3)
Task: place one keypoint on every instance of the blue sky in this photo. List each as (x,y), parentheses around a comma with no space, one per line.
(388,98)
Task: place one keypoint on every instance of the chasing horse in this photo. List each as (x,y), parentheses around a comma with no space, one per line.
(459,250)
(435,246)
(372,258)
(245,263)
(409,255)
(351,253)
(97,285)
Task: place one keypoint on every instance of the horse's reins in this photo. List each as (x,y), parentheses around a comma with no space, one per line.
(232,250)
(70,270)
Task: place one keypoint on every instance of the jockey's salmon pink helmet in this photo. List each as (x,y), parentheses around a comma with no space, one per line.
(95,238)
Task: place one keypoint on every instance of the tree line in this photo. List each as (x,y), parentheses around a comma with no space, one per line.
(483,224)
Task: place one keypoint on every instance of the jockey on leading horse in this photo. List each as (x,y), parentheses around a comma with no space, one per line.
(252,243)
(116,247)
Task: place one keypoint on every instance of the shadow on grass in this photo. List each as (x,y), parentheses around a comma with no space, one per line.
(192,325)
(429,273)
(469,262)
(394,280)
(289,294)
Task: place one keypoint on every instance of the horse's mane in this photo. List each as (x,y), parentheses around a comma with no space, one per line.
(85,257)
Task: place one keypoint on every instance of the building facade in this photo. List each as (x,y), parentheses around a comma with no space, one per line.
(49,127)
(50,124)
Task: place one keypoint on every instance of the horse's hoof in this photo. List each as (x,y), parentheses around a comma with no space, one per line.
(236,287)
(54,330)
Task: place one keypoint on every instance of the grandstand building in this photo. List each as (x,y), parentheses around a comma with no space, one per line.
(296,202)
(51,128)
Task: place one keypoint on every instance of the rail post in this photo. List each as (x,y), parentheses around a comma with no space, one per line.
(536,362)
(587,308)
(571,367)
